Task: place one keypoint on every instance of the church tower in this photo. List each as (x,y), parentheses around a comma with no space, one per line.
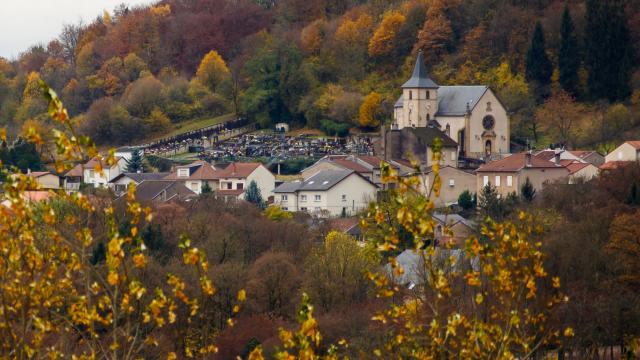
(419,98)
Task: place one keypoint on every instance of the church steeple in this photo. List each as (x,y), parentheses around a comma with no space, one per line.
(420,78)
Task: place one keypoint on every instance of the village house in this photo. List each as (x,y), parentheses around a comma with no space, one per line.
(160,191)
(92,176)
(416,143)
(454,181)
(234,179)
(121,182)
(509,174)
(453,229)
(628,151)
(366,165)
(579,170)
(591,156)
(45,179)
(195,175)
(327,193)
(470,115)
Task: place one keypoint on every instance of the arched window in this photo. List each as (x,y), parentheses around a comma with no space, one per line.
(488,105)
(428,93)
(487,148)
(410,95)
(447,130)
(428,118)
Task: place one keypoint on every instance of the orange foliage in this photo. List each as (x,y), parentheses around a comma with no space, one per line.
(382,41)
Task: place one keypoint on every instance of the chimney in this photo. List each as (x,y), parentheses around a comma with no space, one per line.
(527,158)
(556,156)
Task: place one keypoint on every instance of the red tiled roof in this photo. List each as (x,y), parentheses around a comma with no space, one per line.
(545,154)
(515,163)
(205,171)
(371,160)
(582,153)
(610,165)
(351,165)
(237,170)
(574,166)
(634,143)
(343,224)
(75,172)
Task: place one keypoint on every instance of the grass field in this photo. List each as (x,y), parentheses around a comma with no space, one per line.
(189,125)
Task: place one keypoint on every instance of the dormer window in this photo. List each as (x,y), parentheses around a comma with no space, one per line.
(183,172)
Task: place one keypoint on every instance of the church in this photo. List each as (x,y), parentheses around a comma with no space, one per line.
(472,116)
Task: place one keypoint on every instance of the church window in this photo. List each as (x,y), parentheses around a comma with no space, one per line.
(488,105)
(428,117)
(488,122)
(410,95)
(448,130)
(428,94)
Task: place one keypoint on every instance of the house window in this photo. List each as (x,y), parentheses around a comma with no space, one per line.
(183,172)
(344,197)
(453,156)
(509,181)
(194,186)
(428,95)
(410,95)
(285,208)
(485,180)
(92,173)
(497,180)
(303,209)
(318,197)
(229,186)
(316,209)
(240,186)
(452,182)
(284,198)
(303,198)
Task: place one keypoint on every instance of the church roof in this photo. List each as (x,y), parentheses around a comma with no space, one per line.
(452,100)
(420,78)
(428,136)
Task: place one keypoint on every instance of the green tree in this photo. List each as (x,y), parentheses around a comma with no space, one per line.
(568,54)
(253,194)
(466,200)
(538,66)
(135,163)
(490,204)
(527,191)
(608,50)
(206,188)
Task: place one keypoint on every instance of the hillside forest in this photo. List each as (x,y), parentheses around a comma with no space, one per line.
(566,70)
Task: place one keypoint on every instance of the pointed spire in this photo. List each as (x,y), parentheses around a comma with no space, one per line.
(420,78)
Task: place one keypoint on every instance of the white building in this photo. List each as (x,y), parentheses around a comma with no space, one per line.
(195,175)
(328,192)
(236,177)
(92,175)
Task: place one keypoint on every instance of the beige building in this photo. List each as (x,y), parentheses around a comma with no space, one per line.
(509,174)
(454,181)
(327,193)
(580,171)
(416,143)
(471,115)
(453,228)
(628,151)
(45,179)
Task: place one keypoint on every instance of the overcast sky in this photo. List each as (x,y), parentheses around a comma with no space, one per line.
(27,22)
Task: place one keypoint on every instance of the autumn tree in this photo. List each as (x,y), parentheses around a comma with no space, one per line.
(382,41)
(143,95)
(560,115)
(212,70)
(434,39)
(273,284)
(371,112)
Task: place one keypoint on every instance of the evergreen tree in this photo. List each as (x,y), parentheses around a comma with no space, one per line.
(253,195)
(466,200)
(634,195)
(608,51)
(99,254)
(568,54)
(538,66)
(527,191)
(135,163)
(206,188)
(490,203)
